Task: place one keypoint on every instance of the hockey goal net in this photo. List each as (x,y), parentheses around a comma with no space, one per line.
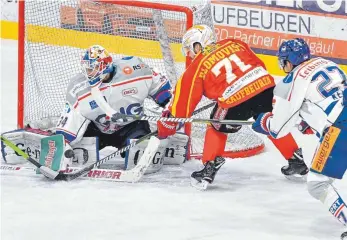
(53,34)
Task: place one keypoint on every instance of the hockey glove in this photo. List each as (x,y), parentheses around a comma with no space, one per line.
(166,129)
(119,119)
(260,125)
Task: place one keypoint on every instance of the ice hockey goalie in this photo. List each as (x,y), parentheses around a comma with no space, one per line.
(125,84)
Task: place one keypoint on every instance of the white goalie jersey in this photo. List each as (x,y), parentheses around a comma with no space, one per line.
(311,92)
(132,82)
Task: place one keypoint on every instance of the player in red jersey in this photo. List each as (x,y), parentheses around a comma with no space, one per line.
(229,72)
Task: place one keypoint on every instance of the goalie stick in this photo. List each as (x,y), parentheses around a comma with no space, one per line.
(135,173)
(186,120)
(111,175)
(132,175)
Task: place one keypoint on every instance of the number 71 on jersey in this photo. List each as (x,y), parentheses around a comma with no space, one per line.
(227,64)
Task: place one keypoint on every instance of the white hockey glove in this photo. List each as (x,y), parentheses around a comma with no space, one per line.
(119,119)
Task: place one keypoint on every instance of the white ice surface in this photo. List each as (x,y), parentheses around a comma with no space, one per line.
(249,200)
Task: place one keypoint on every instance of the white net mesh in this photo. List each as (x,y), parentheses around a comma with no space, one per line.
(57,32)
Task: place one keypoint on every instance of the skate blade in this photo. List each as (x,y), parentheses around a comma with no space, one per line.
(202,186)
(296,177)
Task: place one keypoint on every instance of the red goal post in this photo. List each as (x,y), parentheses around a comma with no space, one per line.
(40,26)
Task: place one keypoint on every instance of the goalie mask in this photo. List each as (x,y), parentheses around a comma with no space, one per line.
(96,63)
(197,34)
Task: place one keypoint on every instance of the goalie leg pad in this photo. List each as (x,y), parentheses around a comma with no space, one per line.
(171,151)
(29,140)
(134,154)
(176,150)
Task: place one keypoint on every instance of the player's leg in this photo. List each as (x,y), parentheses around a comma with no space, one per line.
(286,145)
(132,130)
(119,138)
(215,138)
(330,163)
(320,187)
(214,145)
(296,168)
(93,131)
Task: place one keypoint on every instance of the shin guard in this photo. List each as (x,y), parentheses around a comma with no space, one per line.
(214,144)
(286,145)
(336,205)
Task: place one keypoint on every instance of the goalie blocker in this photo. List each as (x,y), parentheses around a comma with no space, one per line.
(50,150)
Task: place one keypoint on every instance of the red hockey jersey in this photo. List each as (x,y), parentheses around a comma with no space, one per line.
(228,72)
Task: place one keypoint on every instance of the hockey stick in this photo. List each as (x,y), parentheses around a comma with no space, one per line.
(85,170)
(43,169)
(94,174)
(186,120)
(132,175)
(203,108)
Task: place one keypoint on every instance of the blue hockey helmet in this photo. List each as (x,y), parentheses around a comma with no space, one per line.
(96,62)
(295,51)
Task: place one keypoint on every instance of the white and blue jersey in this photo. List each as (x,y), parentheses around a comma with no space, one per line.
(132,82)
(312,92)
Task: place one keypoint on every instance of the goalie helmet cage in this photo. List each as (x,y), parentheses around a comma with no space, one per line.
(53,35)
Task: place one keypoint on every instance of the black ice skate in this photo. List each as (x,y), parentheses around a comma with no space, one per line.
(344,236)
(296,169)
(201,179)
